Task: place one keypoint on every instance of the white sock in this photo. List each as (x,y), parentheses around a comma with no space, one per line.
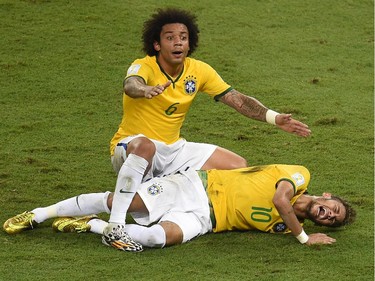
(128,180)
(152,237)
(81,205)
(97,226)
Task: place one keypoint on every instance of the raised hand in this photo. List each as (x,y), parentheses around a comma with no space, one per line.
(151,92)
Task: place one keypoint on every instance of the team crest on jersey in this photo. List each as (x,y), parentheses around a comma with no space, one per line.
(190,85)
(279,227)
(155,189)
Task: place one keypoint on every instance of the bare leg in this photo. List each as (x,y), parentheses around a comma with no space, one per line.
(223,159)
(173,233)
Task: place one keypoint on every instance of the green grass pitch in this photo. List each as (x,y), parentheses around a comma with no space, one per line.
(61,69)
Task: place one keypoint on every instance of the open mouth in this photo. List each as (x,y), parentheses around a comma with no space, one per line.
(321,213)
(177,53)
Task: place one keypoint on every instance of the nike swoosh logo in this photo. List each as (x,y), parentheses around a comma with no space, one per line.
(127,187)
(124,191)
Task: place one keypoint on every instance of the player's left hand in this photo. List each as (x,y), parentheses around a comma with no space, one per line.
(288,124)
(320,238)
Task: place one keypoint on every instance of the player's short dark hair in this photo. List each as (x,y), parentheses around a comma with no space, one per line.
(350,214)
(152,28)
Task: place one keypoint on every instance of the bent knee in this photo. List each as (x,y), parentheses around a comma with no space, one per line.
(239,163)
(142,147)
(224,159)
(173,233)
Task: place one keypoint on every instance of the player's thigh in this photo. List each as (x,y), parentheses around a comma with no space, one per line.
(189,156)
(181,227)
(224,159)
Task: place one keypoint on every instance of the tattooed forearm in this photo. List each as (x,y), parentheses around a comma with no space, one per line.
(134,87)
(246,105)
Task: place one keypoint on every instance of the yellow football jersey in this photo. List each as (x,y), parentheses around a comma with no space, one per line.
(161,117)
(242,198)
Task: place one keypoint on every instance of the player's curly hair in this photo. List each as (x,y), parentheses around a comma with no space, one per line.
(350,214)
(152,28)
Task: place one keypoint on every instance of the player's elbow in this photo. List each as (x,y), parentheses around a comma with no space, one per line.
(277,202)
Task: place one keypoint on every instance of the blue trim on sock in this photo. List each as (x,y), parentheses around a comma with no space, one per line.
(124,145)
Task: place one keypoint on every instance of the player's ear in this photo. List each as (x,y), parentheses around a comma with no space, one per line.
(327,195)
(156,46)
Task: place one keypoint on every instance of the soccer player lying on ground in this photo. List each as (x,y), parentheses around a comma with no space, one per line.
(177,208)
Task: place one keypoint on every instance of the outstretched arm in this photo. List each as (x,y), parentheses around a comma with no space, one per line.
(281,200)
(135,87)
(252,108)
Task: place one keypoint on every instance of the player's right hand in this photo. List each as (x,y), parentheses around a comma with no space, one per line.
(320,238)
(156,90)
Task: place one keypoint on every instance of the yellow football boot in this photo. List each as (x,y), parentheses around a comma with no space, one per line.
(20,223)
(73,224)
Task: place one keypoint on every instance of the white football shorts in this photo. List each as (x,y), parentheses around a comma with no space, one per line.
(168,159)
(179,198)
